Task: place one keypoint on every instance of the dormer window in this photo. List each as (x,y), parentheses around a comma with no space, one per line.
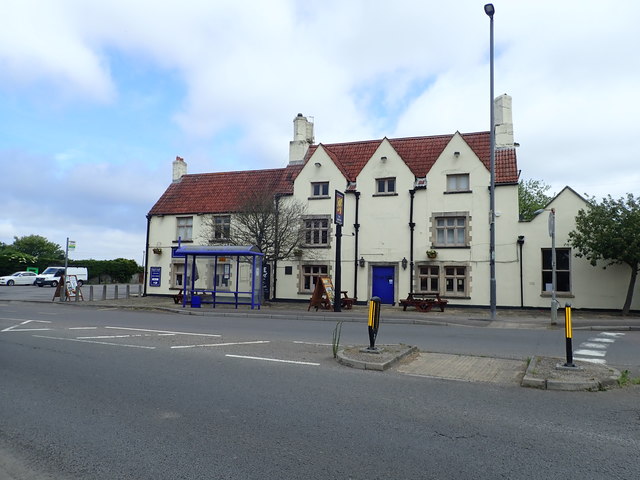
(319,189)
(386,186)
(458,182)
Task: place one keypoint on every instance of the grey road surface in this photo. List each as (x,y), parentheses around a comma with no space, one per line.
(90,393)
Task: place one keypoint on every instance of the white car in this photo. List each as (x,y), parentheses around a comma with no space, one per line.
(19,278)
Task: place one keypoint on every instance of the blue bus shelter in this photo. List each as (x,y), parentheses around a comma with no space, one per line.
(250,294)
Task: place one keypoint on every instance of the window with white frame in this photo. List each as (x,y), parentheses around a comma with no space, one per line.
(455,280)
(319,189)
(563,270)
(316,232)
(385,186)
(176,275)
(221,228)
(185,228)
(310,275)
(451,230)
(429,278)
(458,182)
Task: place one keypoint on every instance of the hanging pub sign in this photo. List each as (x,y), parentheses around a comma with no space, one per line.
(339,208)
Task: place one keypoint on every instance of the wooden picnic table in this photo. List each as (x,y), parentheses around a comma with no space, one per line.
(423,302)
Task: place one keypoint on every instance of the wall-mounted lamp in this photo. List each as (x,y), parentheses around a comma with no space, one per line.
(404,263)
(456,154)
(318,164)
(384,159)
(361,262)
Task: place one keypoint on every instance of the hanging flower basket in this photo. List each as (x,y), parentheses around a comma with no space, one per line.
(432,253)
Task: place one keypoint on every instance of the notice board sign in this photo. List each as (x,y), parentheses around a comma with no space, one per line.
(68,288)
(154,276)
(323,295)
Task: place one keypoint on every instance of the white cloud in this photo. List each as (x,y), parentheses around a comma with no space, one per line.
(363,69)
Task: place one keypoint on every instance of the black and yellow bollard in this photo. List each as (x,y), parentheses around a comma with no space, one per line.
(374,322)
(568,333)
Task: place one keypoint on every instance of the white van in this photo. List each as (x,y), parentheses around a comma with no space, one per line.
(51,276)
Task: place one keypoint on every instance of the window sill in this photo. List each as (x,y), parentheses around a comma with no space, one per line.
(558,295)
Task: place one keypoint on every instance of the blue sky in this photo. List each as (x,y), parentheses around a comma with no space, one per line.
(98,98)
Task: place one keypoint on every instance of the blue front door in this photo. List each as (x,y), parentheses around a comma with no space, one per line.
(383,284)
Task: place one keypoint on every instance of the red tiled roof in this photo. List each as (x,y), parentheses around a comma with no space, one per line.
(419,153)
(226,191)
(222,192)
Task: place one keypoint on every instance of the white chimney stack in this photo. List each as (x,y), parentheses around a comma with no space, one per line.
(302,139)
(179,169)
(504,121)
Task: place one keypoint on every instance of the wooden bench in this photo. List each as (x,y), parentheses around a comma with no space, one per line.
(346,301)
(423,302)
(178,297)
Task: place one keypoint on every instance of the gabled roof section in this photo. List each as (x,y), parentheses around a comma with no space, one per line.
(222,192)
(420,154)
(350,157)
(506,163)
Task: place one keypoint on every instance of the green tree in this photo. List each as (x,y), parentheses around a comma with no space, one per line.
(610,231)
(532,196)
(38,246)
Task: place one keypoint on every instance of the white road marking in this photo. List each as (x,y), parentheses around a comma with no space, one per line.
(221,344)
(164,331)
(272,360)
(91,341)
(591,360)
(600,344)
(98,337)
(602,340)
(593,353)
(23,320)
(15,328)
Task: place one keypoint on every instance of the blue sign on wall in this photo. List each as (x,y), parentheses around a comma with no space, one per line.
(154,276)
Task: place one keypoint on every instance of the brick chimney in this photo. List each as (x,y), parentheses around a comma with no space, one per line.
(179,169)
(302,139)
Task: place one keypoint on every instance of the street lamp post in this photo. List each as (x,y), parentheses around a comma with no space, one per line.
(490,10)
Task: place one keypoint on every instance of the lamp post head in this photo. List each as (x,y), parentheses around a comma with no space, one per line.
(489,9)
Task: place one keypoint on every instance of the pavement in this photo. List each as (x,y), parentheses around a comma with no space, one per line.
(537,372)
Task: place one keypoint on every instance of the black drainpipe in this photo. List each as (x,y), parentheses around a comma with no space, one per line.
(412,226)
(146,256)
(356,227)
(520,244)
